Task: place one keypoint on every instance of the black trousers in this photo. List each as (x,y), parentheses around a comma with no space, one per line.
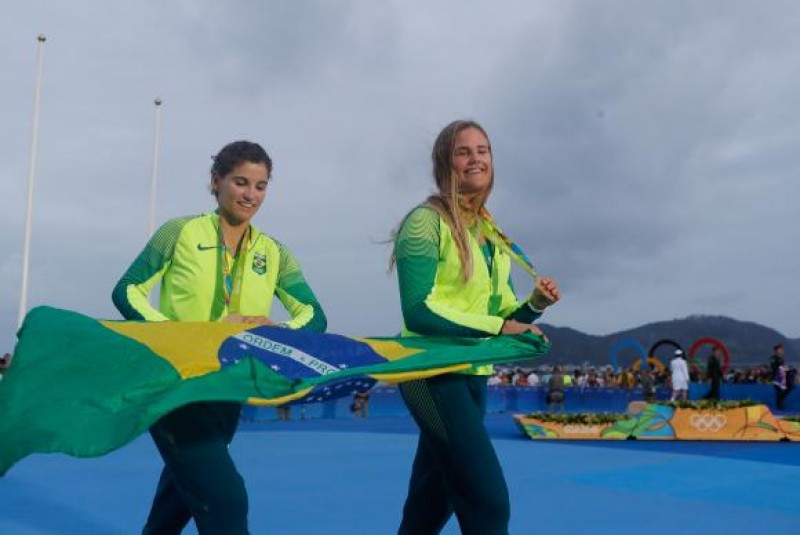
(199,479)
(713,392)
(455,468)
(780,396)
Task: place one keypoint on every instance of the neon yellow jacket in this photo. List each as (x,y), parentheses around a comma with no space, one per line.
(185,255)
(434,298)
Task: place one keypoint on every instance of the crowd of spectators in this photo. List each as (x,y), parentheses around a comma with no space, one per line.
(624,377)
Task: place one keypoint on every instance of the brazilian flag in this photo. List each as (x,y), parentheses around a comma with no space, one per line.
(85,387)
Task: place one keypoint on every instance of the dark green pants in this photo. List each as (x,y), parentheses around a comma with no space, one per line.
(199,479)
(455,468)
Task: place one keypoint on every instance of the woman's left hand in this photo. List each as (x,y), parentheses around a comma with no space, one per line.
(515,327)
(545,293)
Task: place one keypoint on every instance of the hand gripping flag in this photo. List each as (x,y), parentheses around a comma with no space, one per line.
(86,387)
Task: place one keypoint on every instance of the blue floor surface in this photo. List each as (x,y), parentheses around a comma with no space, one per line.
(349,477)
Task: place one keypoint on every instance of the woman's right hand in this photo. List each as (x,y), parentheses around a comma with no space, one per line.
(250,320)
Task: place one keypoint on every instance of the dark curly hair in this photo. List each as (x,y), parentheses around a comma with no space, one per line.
(238,152)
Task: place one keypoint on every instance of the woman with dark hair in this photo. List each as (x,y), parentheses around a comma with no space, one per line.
(453,268)
(213,267)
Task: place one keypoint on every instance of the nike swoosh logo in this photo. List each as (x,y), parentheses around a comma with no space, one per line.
(201,247)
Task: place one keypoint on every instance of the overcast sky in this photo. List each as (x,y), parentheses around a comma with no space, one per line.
(646,152)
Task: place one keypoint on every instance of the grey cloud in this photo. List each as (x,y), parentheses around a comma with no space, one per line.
(254,47)
(645,151)
(613,142)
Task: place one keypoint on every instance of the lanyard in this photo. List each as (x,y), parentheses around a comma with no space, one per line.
(493,233)
(232,278)
(488,252)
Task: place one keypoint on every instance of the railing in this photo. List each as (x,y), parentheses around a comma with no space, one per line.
(386,401)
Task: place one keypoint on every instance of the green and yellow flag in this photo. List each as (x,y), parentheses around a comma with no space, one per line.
(86,387)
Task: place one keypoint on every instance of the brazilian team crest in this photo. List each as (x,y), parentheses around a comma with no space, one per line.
(260,263)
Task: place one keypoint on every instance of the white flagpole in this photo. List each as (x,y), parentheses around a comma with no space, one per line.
(154,177)
(23,302)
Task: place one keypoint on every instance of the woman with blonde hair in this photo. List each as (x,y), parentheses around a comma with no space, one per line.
(453,268)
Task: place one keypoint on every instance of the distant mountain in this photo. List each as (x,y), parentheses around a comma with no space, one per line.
(748,343)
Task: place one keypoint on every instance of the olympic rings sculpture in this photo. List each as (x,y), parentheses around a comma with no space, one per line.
(726,358)
(663,342)
(623,344)
(653,360)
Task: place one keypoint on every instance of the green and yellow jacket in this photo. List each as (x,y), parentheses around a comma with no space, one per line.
(187,256)
(435,299)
